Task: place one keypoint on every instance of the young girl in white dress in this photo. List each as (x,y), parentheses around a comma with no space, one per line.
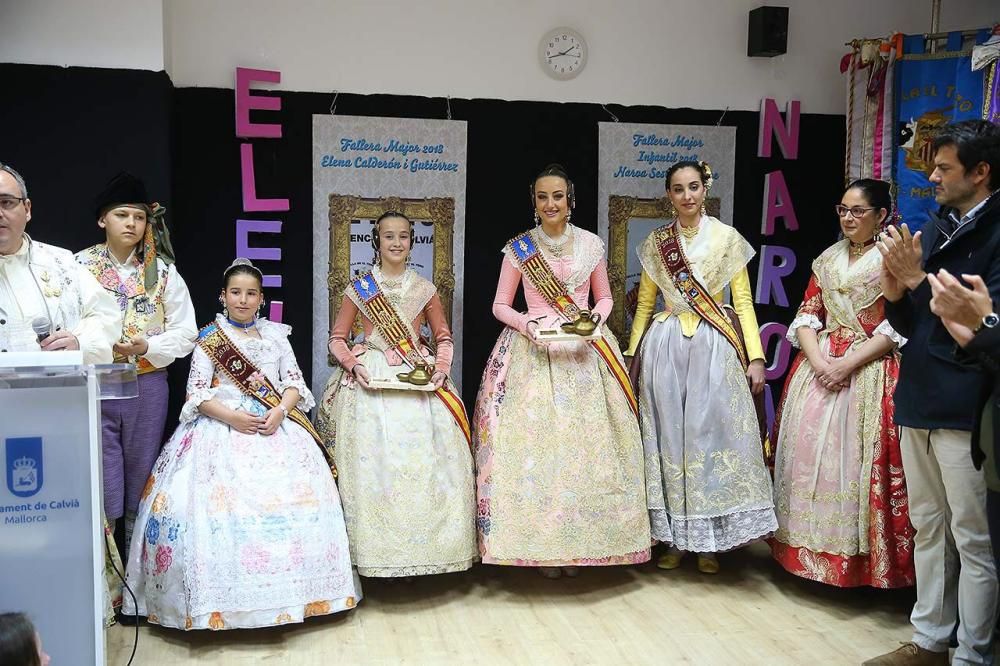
(241,524)
(405,464)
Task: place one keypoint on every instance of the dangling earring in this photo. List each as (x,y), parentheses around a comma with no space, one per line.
(378,259)
(259,308)
(704,211)
(671,211)
(538,221)
(225,310)
(569,215)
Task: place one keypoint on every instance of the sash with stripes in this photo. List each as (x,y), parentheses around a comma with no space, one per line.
(387,320)
(241,371)
(676,262)
(538,272)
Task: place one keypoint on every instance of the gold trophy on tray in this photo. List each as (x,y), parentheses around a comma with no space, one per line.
(420,375)
(585,324)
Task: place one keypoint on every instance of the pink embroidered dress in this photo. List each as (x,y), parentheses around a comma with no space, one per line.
(558,452)
(405,470)
(839,484)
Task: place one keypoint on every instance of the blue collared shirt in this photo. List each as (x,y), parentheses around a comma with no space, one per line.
(959,223)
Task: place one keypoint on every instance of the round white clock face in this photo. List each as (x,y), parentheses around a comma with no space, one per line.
(563,53)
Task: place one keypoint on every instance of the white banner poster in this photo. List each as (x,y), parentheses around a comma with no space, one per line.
(633,163)
(363,167)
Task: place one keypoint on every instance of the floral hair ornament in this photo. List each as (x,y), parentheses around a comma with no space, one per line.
(893,219)
(709,177)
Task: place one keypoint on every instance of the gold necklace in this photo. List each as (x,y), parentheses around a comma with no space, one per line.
(689,232)
(858,249)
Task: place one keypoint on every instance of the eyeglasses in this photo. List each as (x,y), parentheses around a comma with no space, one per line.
(855,211)
(10,203)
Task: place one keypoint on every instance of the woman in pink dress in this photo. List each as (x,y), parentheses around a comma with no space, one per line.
(558,452)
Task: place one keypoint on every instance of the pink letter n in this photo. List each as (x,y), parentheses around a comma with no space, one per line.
(786,132)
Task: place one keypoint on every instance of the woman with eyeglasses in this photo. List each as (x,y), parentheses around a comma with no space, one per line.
(839,490)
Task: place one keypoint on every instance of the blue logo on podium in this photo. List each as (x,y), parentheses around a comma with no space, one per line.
(24,465)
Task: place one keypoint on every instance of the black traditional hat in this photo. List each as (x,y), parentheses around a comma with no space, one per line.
(123,189)
(127,190)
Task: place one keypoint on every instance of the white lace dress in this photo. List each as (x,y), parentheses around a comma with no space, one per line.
(708,488)
(240,530)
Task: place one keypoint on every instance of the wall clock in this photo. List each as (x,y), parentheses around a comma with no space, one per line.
(562,53)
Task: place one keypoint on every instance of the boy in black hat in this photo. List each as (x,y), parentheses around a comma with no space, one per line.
(136,266)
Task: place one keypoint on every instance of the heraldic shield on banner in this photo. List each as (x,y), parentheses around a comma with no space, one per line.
(933,90)
(918,147)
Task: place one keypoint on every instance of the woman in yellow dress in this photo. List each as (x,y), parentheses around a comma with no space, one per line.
(707,486)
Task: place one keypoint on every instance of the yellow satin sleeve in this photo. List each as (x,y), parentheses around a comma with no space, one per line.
(742,303)
(643,312)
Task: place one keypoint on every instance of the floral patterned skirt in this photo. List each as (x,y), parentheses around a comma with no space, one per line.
(405,476)
(709,489)
(239,531)
(839,486)
(559,459)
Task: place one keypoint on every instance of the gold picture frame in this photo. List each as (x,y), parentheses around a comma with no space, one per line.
(622,209)
(440,211)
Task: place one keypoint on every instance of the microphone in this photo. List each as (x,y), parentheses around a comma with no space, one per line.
(42,328)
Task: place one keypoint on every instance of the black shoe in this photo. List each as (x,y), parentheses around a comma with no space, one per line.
(127,620)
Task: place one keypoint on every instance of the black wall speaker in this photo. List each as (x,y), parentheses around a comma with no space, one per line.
(768,32)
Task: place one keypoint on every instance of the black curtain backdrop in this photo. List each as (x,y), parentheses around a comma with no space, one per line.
(69,130)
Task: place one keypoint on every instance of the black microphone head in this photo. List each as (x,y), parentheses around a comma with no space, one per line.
(41,326)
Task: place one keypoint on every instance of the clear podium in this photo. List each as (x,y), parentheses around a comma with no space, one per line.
(51,532)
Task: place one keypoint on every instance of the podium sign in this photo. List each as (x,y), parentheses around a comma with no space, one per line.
(51,536)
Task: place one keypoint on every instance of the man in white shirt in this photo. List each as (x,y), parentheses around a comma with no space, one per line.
(42,282)
(156,325)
